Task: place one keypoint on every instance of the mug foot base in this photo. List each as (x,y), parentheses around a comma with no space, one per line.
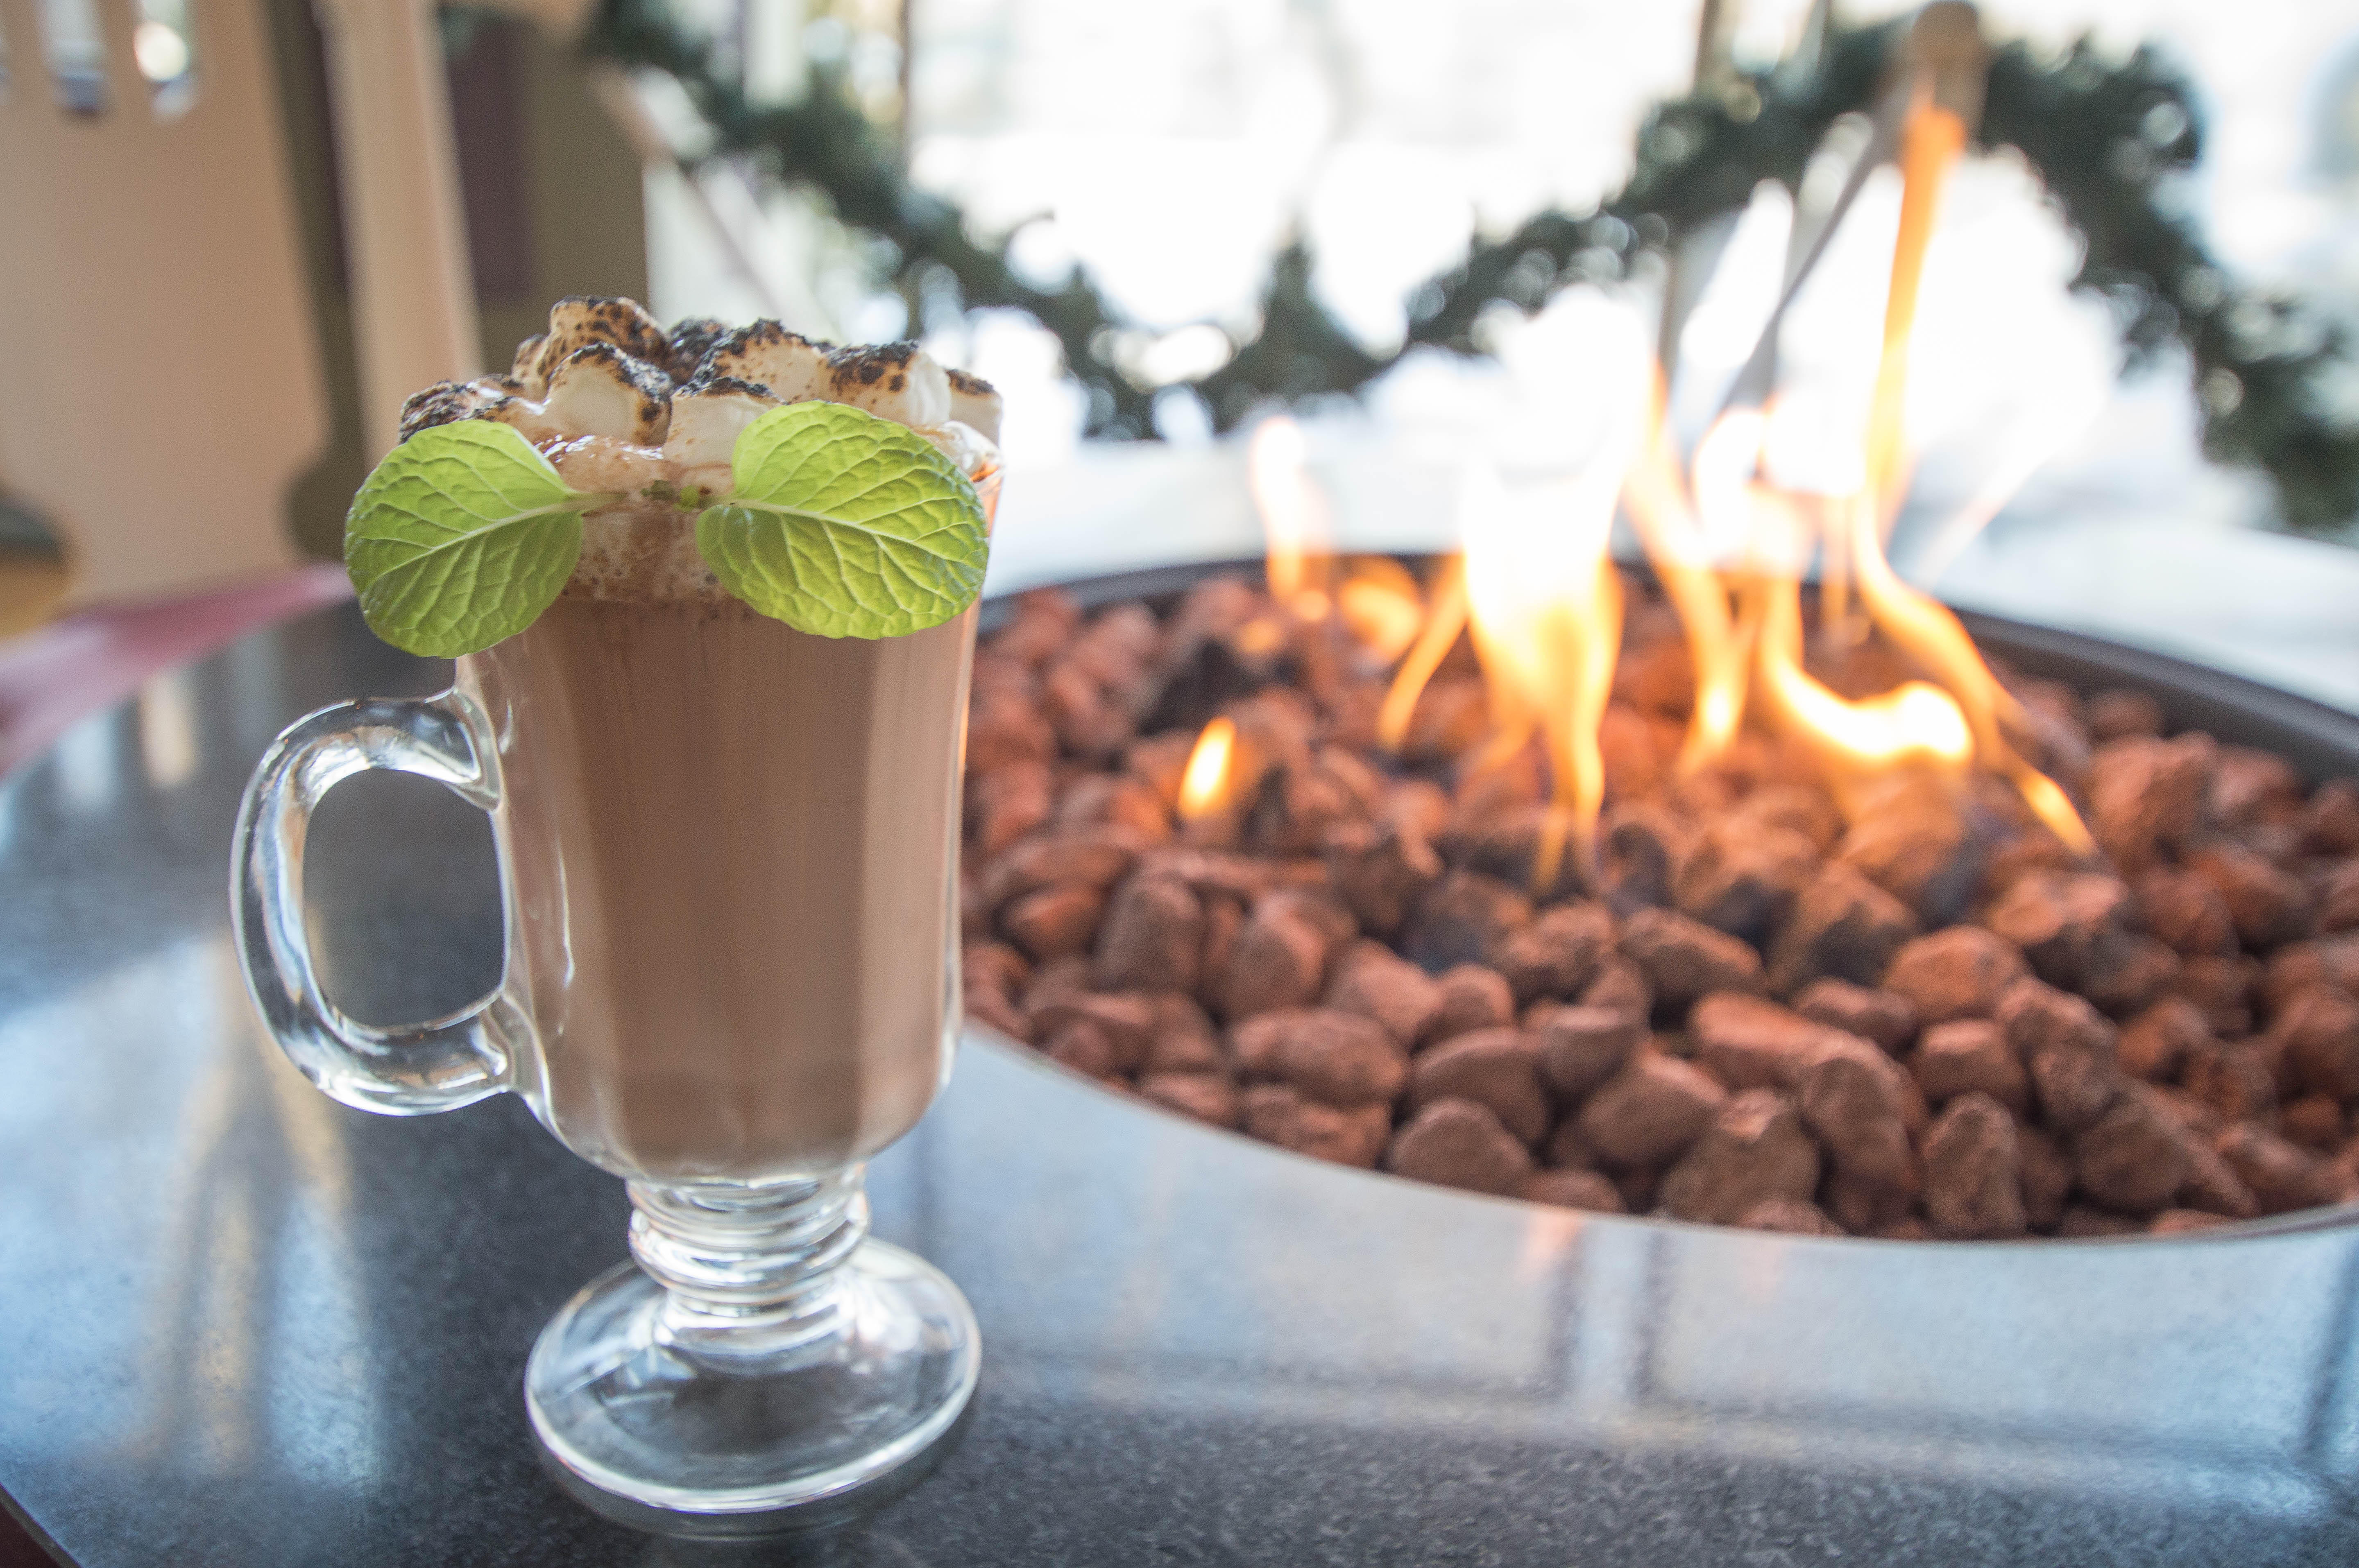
(802,1435)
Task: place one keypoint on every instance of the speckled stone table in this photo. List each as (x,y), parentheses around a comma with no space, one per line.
(242,1326)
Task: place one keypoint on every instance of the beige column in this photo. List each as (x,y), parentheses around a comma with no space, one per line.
(413,301)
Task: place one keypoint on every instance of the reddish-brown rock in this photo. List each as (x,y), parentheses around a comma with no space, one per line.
(1744,880)
(2283,1177)
(2156,1044)
(2047,1177)
(1496,1069)
(1973,1184)
(1375,982)
(1280,1114)
(1959,972)
(1556,953)
(1380,868)
(1647,1114)
(2147,794)
(1207,1097)
(1462,919)
(1792,1216)
(1862,1105)
(1970,1055)
(2235,1079)
(1580,1047)
(2061,921)
(1278,960)
(1749,1043)
(1876,1015)
(1459,1144)
(2269,904)
(1844,926)
(2132,1161)
(2318,1029)
(1152,936)
(1054,921)
(1571,1189)
(2118,713)
(1755,1149)
(1472,996)
(2185,912)
(1683,958)
(1338,1057)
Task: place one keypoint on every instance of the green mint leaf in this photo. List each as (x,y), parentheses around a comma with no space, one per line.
(461,537)
(845,525)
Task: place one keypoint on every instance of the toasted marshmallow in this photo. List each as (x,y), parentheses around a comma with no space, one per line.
(793,367)
(599,390)
(447,402)
(893,381)
(577,321)
(707,415)
(525,370)
(690,340)
(975,403)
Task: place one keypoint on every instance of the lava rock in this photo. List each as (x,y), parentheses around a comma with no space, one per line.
(1375,982)
(1862,1105)
(2317,1029)
(1278,960)
(2185,912)
(1792,1215)
(1206,1096)
(2132,1161)
(1471,996)
(1959,972)
(1749,1043)
(1647,1114)
(1844,926)
(1380,869)
(2269,904)
(1498,1069)
(1581,1047)
(1556,953)
(1877,1015)
(2234,1079)
(1280,1114)
(1339,1058)
(1573,1189)
(1458,1143)
(1745,880)
(2059,921)
(1054,921)
(2068,1048)
(1755,1149)
(1970,1055)
(2147,794)
(1152,937)
(1973,1166)
(2283,1177)
(2156,1043)
(1462,919)
(1683,958)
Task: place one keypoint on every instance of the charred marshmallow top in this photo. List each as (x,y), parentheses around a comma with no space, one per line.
(608,395)
(620,405)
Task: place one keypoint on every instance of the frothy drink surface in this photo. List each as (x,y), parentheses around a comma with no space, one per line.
(732,847)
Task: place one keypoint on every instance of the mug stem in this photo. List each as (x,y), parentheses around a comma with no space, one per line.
(748,1271)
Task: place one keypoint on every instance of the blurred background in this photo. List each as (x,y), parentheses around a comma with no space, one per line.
(240,228)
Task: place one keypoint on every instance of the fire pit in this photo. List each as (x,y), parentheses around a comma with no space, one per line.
(1763,990)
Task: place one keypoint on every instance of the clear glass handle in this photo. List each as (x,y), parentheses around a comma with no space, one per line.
(413,1069)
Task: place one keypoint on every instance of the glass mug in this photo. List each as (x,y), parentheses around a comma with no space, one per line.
(728,857)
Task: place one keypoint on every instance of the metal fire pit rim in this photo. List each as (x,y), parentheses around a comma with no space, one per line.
(2322,742)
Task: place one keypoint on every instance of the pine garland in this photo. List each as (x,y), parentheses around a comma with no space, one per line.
(2110,140)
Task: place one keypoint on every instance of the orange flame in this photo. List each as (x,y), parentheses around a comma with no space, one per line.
(1294,519)
(1719,645)
(1381,607)
(1443,623)
(1545,605)
(1204,785)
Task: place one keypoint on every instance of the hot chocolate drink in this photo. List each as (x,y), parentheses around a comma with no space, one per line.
(736,953)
